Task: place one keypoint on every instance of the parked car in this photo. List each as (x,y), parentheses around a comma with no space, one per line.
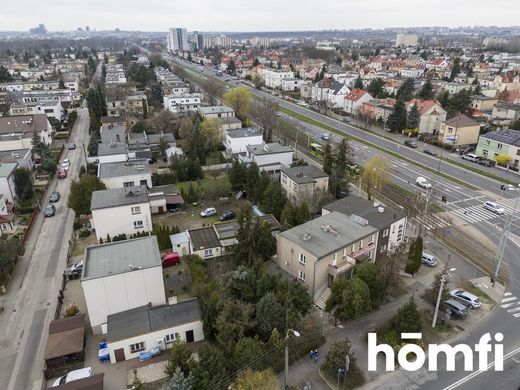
(325,136)
(486,162)
(73,376)
(65,164)
(410,143)
(227,215)
(466,298)
(209,212)
(72,146)
(428,259)
(430,152)
(494,207)
(422,182)
(50,210)
(169,259)
(75,270)
(457,309)
(55,196)
(62,174)
(470,157)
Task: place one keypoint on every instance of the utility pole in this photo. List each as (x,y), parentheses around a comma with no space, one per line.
(286,342)
(425,210)
(444,276)
(503,241)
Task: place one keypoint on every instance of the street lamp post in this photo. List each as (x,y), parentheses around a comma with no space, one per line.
(286,342)
(444,276)
(503,240)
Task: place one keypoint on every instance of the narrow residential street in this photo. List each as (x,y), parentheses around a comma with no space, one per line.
(31,299)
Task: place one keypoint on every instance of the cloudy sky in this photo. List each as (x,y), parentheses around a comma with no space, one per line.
(260,15)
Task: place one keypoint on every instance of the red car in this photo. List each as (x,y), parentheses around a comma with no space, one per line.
(62,174)
(170,259)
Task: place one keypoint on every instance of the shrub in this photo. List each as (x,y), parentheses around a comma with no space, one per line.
(84,233)
(72,310)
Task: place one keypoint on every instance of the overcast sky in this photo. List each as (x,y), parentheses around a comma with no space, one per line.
(260,15)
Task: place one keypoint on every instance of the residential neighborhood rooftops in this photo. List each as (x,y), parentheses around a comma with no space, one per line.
(203,238)
(377,217)
(461,120)
(355,94)
(108,149)
(216,110)
(66,336)
(327,234)
(271,148)
(23,123)
(304,174)
(121,256)
(118,197)
(244,132)
(145,319)
(123,168)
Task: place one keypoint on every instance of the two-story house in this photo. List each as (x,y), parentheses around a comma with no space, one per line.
(336,94)
(431,115)
(7,186)
(324,249)
(16,132)
(504,114)
(182,103)
(216,112)
(501,142)
(353,101)
(459,130)
(270,158)
(306,183)
(123,174)
(236,140)
(120,211)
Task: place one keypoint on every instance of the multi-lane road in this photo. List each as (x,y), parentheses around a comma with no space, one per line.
(31,299)
(465,203)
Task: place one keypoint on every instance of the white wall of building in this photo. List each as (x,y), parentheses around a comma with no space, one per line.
(182,103)
(119,181)
(119,220)
(396,234)
(238,145)
(284,159)
(7,188)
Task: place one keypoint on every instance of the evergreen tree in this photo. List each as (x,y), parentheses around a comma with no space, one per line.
(412,120)
(414,256)
(397,119)
(238,176)
(179,381)
(210,368)
(358,84)
(375,88)
(408,318)
(273,200)
(180,358)
(426,91)
(328,159)
(405,91)
(455,70)
(269,314)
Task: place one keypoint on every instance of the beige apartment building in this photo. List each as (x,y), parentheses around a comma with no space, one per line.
(304,184)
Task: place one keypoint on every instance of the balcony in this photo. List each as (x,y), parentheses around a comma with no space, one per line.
(344,265)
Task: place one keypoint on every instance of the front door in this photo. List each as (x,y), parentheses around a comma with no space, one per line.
(189,336)
(161,210)
(120,355)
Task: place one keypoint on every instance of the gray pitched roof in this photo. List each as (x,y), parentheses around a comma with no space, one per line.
(322,242)
(506,136)
(203,238)
(116,257)
(123,168)
(304,174)
(118,197)
(142,320)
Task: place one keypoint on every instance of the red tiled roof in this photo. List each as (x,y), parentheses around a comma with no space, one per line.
(7,218)
(424,105)
(355,94)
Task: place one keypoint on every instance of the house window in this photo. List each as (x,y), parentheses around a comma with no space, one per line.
(138,224)
(170,338)
(499,146)
(352,248)
(385,232)
(137,347)
(301,275)
(128,184)
(143,183)
(383,248)
(208,252)
(136,209)
(487,142)
(371,239)
(360,244)
(301,258)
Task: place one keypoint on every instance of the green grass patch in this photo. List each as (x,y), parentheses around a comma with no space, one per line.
(204,184)
(468,286)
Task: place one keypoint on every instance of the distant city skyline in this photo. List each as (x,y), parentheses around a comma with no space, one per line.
(241,16)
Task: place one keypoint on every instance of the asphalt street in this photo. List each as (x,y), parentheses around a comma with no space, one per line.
(31,298)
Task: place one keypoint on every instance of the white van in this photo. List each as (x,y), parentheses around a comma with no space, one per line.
(471,157)
(73,376)
(429,260)
(422,182)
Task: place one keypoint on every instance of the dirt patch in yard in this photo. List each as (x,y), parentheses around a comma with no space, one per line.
(80,244)
(177,281)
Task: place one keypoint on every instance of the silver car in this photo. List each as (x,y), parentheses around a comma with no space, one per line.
(50,210)
(466,298)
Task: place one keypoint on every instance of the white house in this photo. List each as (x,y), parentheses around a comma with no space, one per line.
(336,94)
(120,211)
(354,100)
(119,276)
(289,85)
(7,187)
(182,103)
(112,152)
(273,77)
(16,132)
(216,112)
(237,140)
(269,157)
(431,115)
(320,91)
(125,174)
(143,328)
(7,225)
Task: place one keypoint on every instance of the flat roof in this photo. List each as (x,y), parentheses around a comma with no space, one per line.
(117,257)
(108,149)
(272,148)
(123,168)
(364,208)
(243,133)
(304,174)
(323,240)
(142,320)
(118,197)
(179,238)
(216,110)
(7,168)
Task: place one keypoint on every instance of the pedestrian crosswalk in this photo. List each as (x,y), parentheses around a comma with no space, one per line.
(511,304)
(478,213)
(432,222)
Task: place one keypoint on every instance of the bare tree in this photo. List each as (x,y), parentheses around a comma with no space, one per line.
(214,88)
(264,113)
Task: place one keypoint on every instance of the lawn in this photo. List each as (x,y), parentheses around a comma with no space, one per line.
(208,186)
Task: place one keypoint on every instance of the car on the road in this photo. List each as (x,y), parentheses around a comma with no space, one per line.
(430,152)
(74,271)
(422,182)
(169,259)
(65,164)
(73,376)
(428,259)
(209,212)
(55,196)
(494,207)
(227,215)
(62,174)
(468,299)
(410,143)
(457,309)
(325,136)
(50,210)
(72,146)
(486,162)
(470,157)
